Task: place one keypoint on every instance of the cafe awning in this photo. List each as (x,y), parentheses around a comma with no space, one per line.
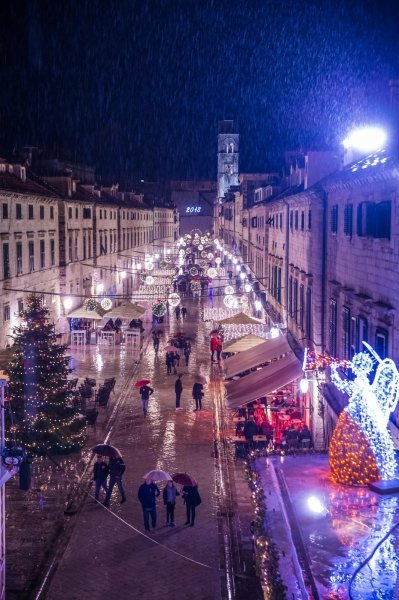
(246,342)
(254,357)
(241,319)
(82,313)
(263,382)
(126,310)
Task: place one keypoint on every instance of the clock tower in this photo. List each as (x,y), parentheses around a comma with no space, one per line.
(228,154)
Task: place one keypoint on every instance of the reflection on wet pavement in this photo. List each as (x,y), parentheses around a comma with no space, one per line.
(345,535)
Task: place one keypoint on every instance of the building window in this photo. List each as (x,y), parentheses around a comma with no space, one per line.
(18,251)
(346,326)
(20,304)
(52,253)
(348,219)
(6,312)
(354,337)
(295,294)
(76,212)
(42,254)
(18,211)
(30,211)
(333,328)
(87,213)
(69,212)
(310,219)
(41,212)
(89,244)
(382,221)
(6,261)
(381,342)
(291,219)
(5,211)
(76,247)
(290,307)
(363,329)
(84,246)
(301,306)
(302,220)
(374,220)
(309,313)
(31,253)
(296,220)
(70,248)
(279,285)
(334,218)
(52,213)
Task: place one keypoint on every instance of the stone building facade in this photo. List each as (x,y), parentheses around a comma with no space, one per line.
(69,240)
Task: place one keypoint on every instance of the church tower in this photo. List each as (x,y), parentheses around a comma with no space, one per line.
(228,154)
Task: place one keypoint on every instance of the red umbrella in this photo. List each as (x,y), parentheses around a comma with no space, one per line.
(184,479)
(141,382)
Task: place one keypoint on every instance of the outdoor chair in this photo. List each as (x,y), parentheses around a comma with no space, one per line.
(292,445)
(91,382)
(91,416)
(103,396)
(110,383)
(305,444)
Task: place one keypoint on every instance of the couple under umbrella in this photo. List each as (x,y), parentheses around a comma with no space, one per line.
(148,492)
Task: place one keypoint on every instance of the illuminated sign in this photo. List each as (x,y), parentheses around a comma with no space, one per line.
(193,209)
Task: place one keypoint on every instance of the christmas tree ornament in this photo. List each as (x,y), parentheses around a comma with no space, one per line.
(90,304)
(106,303)
(174,299)
(158,309)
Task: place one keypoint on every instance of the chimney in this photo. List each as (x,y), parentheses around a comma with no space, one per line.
(19,171)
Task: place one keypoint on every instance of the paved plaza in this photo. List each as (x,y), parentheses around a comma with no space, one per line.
(108,554)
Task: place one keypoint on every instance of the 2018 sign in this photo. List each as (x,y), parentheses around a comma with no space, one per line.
(193,209)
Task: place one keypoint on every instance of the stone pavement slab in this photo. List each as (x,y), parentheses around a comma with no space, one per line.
(105,557)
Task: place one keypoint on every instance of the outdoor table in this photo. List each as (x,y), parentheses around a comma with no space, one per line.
(78,336)
(133,337)
(239,420)
(238,439)
(107,336)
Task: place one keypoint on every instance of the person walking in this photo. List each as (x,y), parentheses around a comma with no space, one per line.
(213,345)
(178,390)
(184,312)
(187,352)
(145,392)
(155,340)
(198,395)
(169,362)
(100,475)
(116,470)
(177,312)
(169,499)
(147,494)
(176,362)
(192,499)
(219,348)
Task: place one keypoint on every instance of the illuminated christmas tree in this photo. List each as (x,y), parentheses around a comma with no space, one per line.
(43,417)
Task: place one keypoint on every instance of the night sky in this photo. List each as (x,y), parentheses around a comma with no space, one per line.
(136,87)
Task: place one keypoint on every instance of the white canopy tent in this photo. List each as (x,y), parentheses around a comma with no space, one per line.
(263,382)
(254,357)
(246,342)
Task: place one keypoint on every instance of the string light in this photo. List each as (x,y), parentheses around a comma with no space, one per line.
(361,449)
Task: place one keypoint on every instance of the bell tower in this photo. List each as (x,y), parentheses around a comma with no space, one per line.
(228,154)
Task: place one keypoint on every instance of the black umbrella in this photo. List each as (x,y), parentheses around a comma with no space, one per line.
(106,450)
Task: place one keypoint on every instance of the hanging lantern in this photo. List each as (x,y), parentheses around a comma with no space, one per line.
(149,280)
(174,299)
(200,247)
(218,260)
(196,241)
(193,271)
(188,251)
(212,272)
(148,265)
(106,303)
(158,309)
(230,301)
(229,290)
(210,256)
(203,253)
(181,252)
(202,263)
(90,304)
(244,300)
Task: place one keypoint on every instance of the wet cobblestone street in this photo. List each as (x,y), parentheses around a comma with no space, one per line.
(105,556)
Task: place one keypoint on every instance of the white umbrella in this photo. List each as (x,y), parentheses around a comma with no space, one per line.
(158,475)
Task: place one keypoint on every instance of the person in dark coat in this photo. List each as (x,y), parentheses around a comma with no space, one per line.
(155,340)
(198,395)
(145,392)
(100,475)
(177,312)
(169,499)
(183,312)
(250,428)
(192,499)
(147,494)
(169,358)
(187,352)
(178,390)
(116,470)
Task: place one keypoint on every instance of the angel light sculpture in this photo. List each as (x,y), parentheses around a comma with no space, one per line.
(361,449)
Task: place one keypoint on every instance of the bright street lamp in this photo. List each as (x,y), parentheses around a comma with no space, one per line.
(365,139)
